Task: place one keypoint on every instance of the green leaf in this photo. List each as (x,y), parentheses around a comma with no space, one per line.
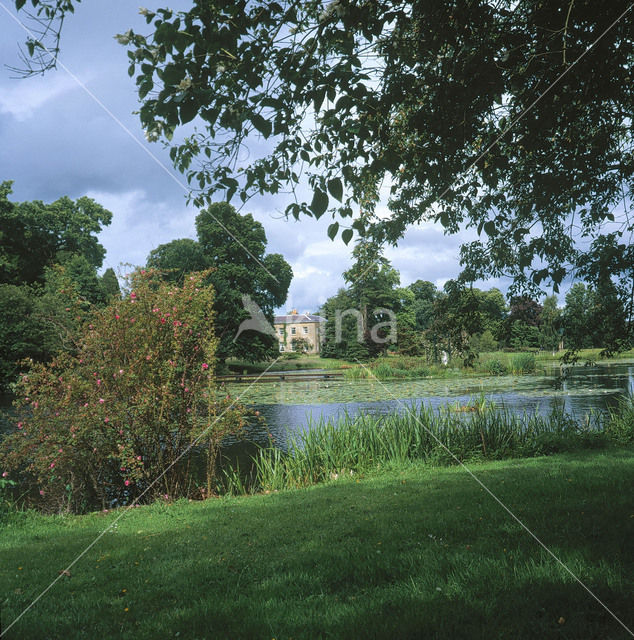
(144,88)
(346,235)
(319,204)
(19,4)
(263,125)
(188,111)
(335,188)
(332,230)
(489,227)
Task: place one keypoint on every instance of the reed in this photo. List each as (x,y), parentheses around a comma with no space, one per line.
(330,448)
(619,423)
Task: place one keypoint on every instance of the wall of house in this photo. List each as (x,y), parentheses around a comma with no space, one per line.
(310,331)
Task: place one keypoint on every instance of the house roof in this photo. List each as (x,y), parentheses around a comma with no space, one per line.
(300,318)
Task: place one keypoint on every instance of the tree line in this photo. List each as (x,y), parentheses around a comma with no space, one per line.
(460,319)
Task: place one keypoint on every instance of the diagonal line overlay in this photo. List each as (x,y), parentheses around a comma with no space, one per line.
(131,135)
(130,506)
(527,109)
(485,488)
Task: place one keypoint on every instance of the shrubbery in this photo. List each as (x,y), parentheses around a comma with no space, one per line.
(495,367)
(523,363)
(97,428)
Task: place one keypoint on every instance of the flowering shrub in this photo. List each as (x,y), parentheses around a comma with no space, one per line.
(98,427)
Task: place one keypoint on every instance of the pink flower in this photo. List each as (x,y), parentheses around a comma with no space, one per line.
(19,425)
(98,381)
(205,366)
(5,474)
(101,400)
(133,295)
(60,450)
(85,404)
(41,492)
(186,389)
(116,316)
(52,465)
(127,483)
(138,457)
(106,419)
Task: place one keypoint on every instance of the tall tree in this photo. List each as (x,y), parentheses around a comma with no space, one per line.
(372,284)
(234,246)
(35,235)
(178,258)
(577,318)
(49,255)
(109,285)
(550,329)
(457,317)
(425,293)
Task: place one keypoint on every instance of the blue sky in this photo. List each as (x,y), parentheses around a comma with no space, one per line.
(58,139)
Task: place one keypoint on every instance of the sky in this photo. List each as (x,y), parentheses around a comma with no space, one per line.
(72,132)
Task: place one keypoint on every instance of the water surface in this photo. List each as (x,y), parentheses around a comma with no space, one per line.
(290,406)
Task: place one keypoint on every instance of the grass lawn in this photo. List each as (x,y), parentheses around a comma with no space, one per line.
(406,552)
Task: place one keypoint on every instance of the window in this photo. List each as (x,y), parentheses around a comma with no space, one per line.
(293,331)
(281,331)
(305,330)
(281,347)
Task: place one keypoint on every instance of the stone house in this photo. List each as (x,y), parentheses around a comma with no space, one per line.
(295,326)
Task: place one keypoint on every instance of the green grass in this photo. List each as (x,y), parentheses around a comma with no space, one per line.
(404,552)
(545,357)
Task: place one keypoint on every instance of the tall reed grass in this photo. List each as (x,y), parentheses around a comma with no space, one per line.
(350,445)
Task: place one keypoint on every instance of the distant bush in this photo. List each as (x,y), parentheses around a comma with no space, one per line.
(495,367)
(523,363)
(290,355)
(98,428)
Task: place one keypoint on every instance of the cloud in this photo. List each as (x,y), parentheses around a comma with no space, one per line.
(140,224)
(25,100)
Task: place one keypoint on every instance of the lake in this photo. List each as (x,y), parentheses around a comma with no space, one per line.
(288,407)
